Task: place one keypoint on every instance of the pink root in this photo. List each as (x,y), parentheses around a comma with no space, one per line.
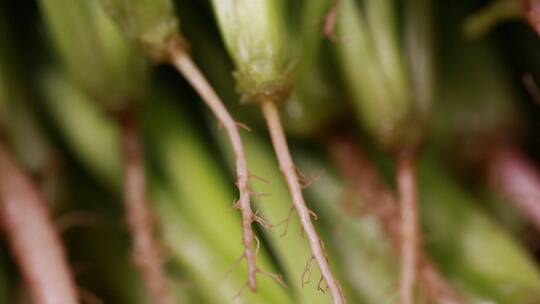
(271,115)
(408,202)
(189,70)
(512,174)
(32,237)
(146,249)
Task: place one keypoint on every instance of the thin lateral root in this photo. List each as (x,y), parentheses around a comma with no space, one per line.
(307,182)
(238,295)
(286,221)
(264,223)
(276,277)
(256,177)
(236,205)
(320,287)
(307,272)
(313,214)
(260,194)
(243,126)
(235,265)
(257,245)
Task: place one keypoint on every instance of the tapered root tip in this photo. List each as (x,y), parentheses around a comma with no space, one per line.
(252,283)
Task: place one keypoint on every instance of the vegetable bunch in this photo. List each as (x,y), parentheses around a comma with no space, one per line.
(387,157)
